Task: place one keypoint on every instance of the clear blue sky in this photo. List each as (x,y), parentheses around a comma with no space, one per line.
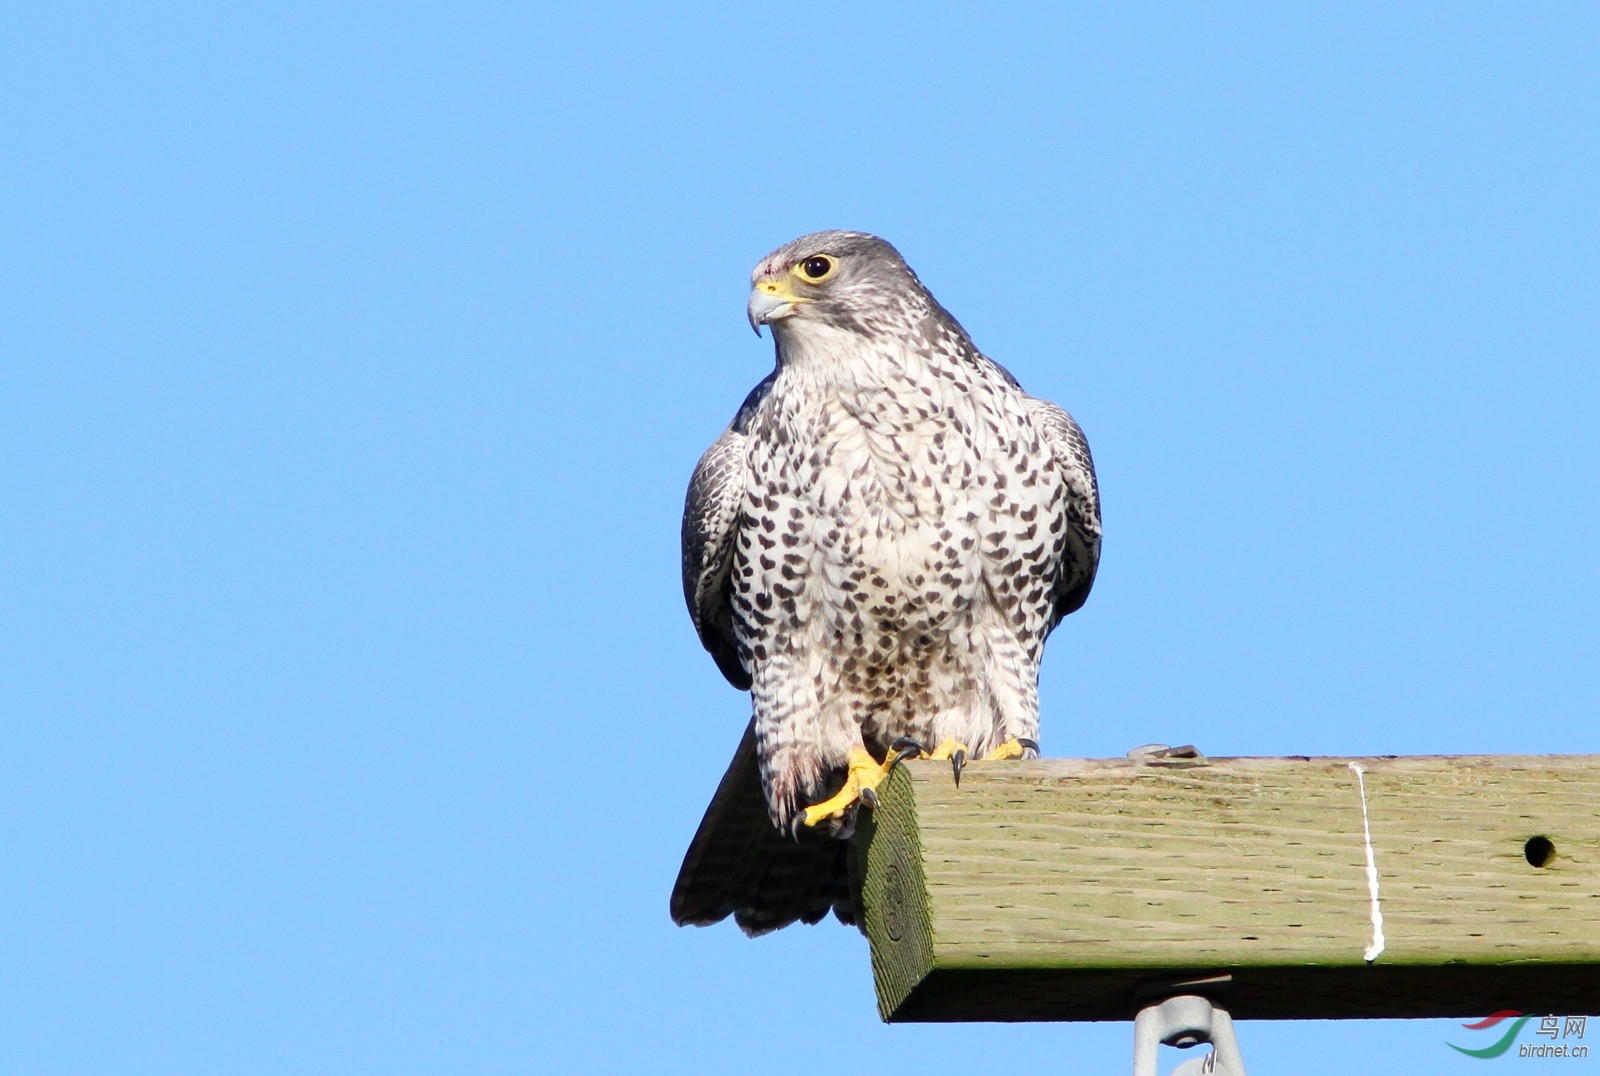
(353,362)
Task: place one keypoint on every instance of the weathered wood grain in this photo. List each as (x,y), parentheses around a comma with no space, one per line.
(1059,889)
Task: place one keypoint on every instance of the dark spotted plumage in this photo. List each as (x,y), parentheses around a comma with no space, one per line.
(876,547)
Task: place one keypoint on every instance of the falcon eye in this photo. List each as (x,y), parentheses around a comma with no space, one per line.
(817,267)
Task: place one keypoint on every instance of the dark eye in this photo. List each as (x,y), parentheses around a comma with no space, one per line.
(816,267)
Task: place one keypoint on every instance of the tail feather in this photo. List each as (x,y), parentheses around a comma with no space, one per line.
(739,864)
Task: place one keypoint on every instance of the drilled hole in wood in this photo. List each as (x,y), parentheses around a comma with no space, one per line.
(1539,850)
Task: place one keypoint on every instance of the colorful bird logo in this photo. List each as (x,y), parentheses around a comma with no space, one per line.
(1505,1041)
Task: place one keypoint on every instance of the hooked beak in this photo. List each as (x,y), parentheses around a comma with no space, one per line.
(770,301)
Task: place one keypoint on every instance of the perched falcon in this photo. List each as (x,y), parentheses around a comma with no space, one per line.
(876,548)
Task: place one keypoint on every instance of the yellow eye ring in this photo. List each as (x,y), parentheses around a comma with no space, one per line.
(816,269)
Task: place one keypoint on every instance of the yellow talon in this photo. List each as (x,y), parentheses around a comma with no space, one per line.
(1012,748)
(954,750)
(865,775)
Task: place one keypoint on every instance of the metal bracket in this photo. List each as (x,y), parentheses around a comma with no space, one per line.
(1178,1014)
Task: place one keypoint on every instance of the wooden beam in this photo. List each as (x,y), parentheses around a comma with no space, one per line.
(1061,889)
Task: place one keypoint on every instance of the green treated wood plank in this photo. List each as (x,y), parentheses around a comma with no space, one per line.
(1058,889)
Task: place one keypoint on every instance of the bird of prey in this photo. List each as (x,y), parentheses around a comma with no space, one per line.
(876,548)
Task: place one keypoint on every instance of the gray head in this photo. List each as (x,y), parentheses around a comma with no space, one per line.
(837,280)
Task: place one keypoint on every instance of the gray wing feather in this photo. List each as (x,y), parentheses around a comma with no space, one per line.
(1069,456)
(710,524)
(712,511)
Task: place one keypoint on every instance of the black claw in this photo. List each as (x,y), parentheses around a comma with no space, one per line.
(906,747)
(1028,745)
(869,798)
(958,759)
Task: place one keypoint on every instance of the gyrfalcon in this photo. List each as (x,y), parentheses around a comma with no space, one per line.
(876,548)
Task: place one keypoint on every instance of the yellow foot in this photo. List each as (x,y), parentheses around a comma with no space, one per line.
(957,752)
(1012,748)
(860,786)
(954,750)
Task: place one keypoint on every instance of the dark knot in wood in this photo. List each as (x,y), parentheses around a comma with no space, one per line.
(894,903)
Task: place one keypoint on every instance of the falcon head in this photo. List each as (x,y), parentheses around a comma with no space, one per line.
(839,280)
